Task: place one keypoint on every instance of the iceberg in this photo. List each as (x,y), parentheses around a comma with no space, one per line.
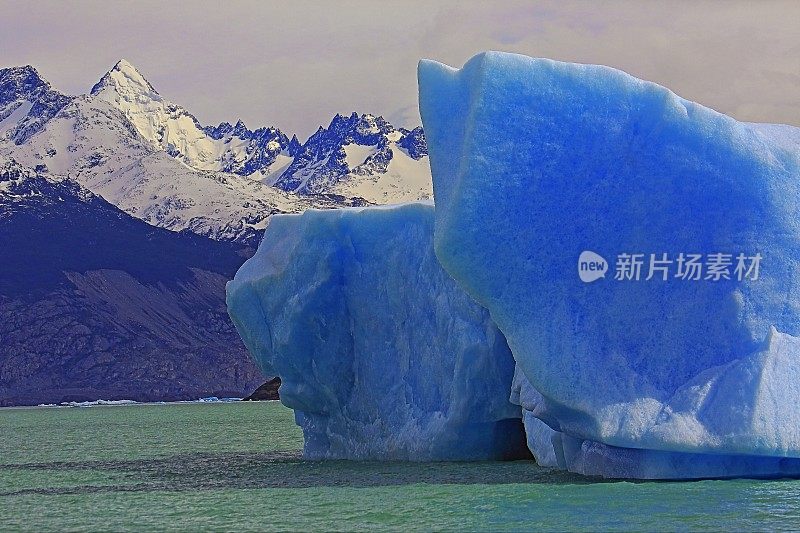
(380,353)
(640,253)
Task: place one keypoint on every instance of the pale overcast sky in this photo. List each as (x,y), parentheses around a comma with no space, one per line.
(295,64)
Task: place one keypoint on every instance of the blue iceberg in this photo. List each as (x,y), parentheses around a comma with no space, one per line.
(380,353)
(639,251)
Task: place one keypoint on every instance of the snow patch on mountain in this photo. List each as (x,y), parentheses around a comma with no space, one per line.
(405,179)
(17,111)
(356,154)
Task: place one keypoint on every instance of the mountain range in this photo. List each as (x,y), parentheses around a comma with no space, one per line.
(122,217)
(154,160)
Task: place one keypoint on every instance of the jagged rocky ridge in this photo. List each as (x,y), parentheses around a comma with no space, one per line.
(361,145)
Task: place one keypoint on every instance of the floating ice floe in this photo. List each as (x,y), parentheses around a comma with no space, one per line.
(93,403)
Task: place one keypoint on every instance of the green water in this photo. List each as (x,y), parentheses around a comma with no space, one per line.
(237,466)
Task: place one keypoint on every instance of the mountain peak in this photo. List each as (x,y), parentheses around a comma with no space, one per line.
(124,78)
(27,101)
(21,81)
(24,70)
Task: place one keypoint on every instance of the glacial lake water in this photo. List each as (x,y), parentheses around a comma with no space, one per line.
(237,466)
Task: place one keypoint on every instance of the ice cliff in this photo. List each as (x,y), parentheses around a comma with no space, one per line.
(639,252)
(380,353)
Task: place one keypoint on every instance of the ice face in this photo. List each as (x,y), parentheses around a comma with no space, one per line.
(536,162)
(380,353)
(559,450)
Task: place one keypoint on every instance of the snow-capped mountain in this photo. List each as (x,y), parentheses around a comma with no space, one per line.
(360,156)
(154,160)
(26,103)
(170,127)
